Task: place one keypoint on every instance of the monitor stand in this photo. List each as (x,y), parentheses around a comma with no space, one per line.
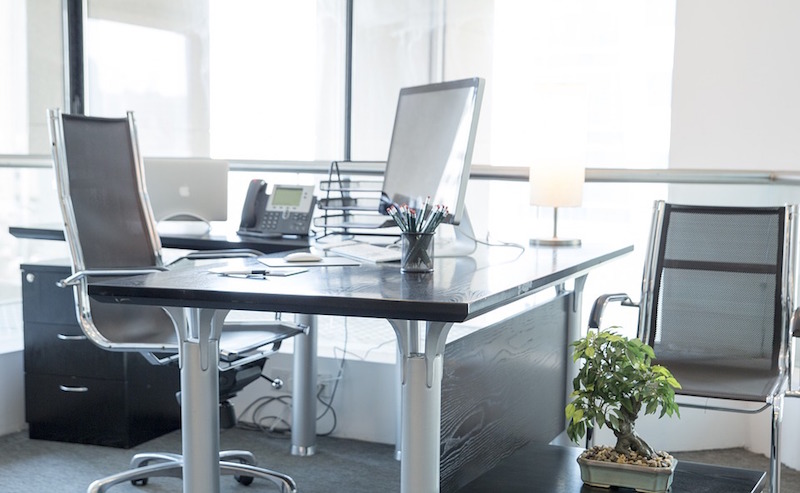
(183,226)
(455,240)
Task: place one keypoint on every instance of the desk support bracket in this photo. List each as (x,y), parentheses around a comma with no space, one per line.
(407,332)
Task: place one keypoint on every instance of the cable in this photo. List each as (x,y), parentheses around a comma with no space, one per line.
(255,408)
(257,423)
(329,405)
(498,244)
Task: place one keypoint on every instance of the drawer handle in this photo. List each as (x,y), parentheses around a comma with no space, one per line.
(65,337)
(64,388)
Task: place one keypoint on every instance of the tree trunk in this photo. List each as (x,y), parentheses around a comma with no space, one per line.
(628,441)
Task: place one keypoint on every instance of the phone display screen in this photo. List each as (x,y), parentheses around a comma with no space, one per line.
(287,196)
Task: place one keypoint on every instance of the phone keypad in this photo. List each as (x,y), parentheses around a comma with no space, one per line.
(294,221)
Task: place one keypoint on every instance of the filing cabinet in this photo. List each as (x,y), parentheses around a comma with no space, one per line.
(77,392)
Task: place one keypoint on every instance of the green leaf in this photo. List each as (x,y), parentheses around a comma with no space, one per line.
(626,403)
(601,420)
(613,420)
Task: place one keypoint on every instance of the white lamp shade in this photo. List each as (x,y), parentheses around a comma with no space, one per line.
(557,182)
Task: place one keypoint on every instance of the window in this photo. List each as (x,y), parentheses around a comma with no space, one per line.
(608,63)
(13,79)
(234,79)
(26,195)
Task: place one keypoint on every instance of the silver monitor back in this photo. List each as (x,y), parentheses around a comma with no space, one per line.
(187,188)
(431,149)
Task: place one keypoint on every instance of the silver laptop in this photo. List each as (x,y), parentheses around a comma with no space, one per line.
(186,189)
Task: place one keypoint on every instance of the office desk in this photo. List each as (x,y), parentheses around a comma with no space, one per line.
(221,237)
(420,307)
(552,469)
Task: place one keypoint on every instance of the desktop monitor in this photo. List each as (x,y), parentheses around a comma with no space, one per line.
(431,147)
(187,189)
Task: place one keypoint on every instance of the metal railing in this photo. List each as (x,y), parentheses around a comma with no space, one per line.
(487,172)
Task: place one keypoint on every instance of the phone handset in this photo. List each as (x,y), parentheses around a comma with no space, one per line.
(253,202)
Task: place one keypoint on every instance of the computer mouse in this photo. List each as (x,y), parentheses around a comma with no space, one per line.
(302,257)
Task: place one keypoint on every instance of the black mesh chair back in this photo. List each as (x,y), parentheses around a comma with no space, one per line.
(106,188)
(718,307)
(108,225)
(719,312)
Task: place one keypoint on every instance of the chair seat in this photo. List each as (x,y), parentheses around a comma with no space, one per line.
(721,381)
(131,324)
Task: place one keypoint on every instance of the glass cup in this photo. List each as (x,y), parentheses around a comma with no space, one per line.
(417,252)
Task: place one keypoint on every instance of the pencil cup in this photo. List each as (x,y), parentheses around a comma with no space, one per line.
(417,252)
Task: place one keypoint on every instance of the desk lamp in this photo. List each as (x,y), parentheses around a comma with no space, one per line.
(556,183)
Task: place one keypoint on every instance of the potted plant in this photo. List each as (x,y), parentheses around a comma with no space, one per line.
(614,385)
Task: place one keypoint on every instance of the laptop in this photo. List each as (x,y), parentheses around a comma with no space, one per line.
(187,189)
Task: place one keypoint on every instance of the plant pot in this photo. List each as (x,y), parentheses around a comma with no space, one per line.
(640,478)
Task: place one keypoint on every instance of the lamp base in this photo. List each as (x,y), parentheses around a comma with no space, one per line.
(555,242)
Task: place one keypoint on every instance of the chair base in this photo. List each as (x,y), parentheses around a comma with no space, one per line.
(237,463)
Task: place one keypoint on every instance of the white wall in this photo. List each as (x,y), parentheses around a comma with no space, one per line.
(736,106)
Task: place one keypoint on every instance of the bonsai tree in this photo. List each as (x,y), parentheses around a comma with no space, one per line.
(614,384)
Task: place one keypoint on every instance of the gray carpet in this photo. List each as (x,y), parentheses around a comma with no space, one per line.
(339,465)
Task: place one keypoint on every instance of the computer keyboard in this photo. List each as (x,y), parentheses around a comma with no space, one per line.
(367,252)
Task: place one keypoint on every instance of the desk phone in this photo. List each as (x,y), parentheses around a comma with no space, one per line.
(287,211)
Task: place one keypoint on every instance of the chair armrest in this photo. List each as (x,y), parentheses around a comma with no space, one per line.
(77,277)
(600,304)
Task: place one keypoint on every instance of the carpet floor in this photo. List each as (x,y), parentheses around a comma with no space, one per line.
(339,465)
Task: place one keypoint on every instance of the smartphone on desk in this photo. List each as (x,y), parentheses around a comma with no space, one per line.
(287,211)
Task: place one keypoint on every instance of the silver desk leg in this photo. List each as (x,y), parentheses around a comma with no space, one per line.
(421,405)
(398,443)
(304,389)
(200,400)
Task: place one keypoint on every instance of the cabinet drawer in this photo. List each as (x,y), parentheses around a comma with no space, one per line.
(80,410)
(100,412)
(43,301)
(64,350)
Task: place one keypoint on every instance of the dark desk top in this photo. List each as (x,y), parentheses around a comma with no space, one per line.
(222,236)
(459,289)
(552,469)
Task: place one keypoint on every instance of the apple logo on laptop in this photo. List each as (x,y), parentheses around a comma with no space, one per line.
(183,190)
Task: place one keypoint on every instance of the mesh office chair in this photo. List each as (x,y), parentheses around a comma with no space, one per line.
(110,230)
(717,305)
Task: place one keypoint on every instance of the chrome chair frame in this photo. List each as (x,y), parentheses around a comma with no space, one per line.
(789,320)
(239,463)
